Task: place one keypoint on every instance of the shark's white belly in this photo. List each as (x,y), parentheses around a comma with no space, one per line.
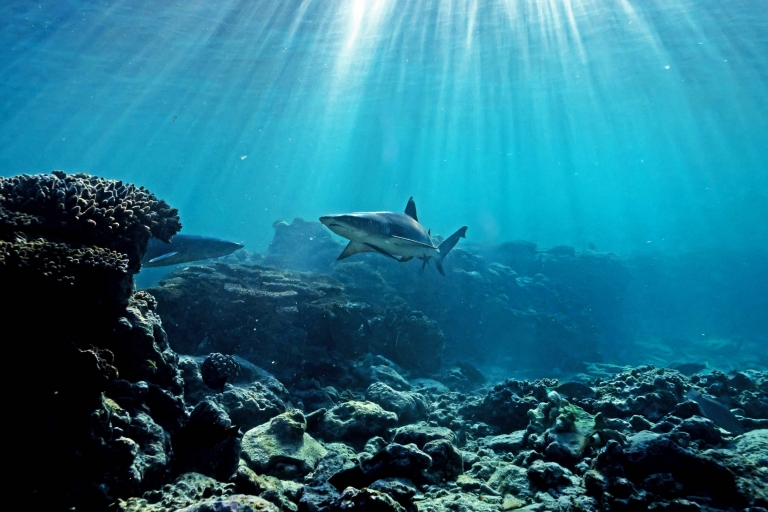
(401,248)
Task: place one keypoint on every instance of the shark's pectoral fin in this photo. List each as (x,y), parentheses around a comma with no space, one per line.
(405,258)
(353,248)
(163,256)
(382,251)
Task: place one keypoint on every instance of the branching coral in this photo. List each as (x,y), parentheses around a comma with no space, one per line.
(85,210)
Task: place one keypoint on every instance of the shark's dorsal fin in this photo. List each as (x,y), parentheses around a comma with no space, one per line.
(353,248)
(410,209)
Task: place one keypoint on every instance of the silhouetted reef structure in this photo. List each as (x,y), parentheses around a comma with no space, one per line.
(106,388)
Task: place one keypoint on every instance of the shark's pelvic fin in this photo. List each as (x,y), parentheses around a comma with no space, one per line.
(405,258)
(353,248)
(410,209)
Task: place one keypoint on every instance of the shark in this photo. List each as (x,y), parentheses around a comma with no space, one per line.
(396,235)
(186,248)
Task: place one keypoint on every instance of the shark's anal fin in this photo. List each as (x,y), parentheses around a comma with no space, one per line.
(163,256)
(382,251)
(410,209)
(405,258)
(353,248)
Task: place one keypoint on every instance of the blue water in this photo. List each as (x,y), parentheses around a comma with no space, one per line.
(628,124)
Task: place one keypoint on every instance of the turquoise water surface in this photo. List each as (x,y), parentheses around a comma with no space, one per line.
(626,124)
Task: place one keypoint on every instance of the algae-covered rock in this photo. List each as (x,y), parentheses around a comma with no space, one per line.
(567,429)
(186,490)
(447,463)
(460,503)
(749,462)
(408,406)
(283,494)
(354,422)
(421,433)
(397,461)
(281,447)
(234,503)
(366,500)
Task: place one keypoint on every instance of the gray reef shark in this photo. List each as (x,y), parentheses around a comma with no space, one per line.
(397,235)
(186,248)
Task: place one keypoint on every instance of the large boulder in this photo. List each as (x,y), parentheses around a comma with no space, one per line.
(281,447)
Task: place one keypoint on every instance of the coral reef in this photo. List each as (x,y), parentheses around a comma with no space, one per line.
(297,325)
(330,387)
(107,392)
(85,210)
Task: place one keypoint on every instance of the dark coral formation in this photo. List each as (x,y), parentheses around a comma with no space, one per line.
(297,325)
(217,369)
(85,210)
(107,389)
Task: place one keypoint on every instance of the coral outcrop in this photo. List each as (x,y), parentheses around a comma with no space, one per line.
(107,393)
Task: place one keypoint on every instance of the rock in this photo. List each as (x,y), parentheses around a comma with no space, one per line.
(564,429)
(401,490)
(506,405)
(233,503)
(302,246)
(186,490)
(701,429)
(458,503)
(318,498)
(509,479)
(208,443)
(506,442)
(548,475)
(748,460)
(447,463)
(430,386)
(340,467)
(250,406)
(269,488)
(650,453)
(281,447)
(366,500)
(389,376)
(409,407)
(397,461)
(420,434)
(354,422)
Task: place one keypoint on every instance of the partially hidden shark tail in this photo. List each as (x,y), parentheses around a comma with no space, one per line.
(445,247)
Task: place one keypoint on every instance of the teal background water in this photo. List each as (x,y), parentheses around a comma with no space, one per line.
(627,124)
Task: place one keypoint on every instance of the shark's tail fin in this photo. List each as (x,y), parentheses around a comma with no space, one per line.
(445,247)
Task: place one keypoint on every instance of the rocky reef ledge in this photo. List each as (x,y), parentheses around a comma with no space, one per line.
(325,390)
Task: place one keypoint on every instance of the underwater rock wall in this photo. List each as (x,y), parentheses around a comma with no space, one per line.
(101,389)
(295,324)
(513,303)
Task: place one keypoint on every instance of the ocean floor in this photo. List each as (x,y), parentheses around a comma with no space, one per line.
(286,381)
